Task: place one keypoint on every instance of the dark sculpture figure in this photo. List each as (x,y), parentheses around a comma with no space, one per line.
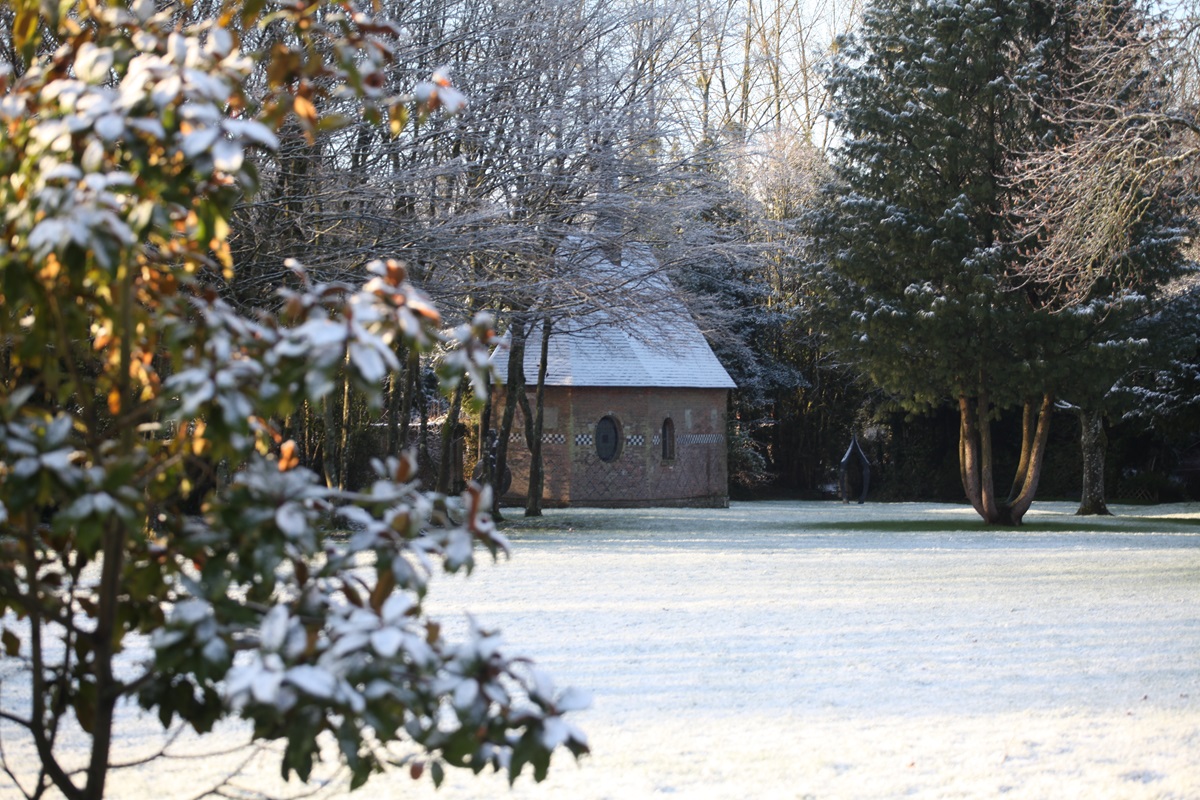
(854,453)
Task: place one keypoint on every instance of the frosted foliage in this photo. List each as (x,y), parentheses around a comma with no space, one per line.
(144,485)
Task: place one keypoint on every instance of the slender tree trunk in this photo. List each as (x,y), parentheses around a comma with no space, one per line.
(393,406)
(1015,511)
(412,374)
(329,446)
(486,443)
(449,428)
(344,433)
(424,464)
(537,473)
(968,454)
(1094,442)
(987,480)
(744,108)
(514,390)
(1028,428)
(105,634)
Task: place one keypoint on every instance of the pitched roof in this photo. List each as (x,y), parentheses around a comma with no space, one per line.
(652,343)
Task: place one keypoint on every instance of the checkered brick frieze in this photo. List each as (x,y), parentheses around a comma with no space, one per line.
(517,437)
(701,438)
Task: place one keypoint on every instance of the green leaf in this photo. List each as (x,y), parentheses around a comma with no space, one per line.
(84,703)
(360,773)
(250,11)
(438,773)
(522,753)
(25,28)
(12,643)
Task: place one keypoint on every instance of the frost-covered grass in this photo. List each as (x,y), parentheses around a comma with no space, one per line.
(785,650)
(789,650)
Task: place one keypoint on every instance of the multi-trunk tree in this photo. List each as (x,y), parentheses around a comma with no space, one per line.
(920,246)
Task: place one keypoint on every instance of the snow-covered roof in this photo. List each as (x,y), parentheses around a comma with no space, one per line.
(653,342)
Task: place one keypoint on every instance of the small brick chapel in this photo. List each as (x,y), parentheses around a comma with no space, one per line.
(635,405)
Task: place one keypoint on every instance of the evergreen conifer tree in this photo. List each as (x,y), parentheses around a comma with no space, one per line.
(922,253)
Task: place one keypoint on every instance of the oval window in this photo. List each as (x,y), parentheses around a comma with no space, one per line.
(608,439)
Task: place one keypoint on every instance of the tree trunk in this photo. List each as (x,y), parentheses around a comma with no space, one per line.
(975,459)
(329,444)
(1094,442)
(1028,427)
(514,389)
(344,435)
(537,473)
(485,456)
(446,469)
(412,374)
(393,406)
(1035,440)
(968,455)
(987,478)
(424,462)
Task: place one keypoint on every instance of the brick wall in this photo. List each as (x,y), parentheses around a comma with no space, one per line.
(638,475)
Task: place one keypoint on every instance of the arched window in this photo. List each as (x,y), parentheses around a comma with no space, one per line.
(668,440)
(608,439)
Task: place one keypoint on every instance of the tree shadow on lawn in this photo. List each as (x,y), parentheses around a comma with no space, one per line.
(1088,525)
(650,520)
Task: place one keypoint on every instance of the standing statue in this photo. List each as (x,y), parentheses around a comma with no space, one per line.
(854,453)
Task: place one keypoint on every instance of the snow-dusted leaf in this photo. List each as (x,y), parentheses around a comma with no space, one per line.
(543,684)
(167,90)
(92,63)
(198,141)
(395,607)
(349,643)
(215,650)
(312,681)
(177,48)
(465,694)
(573,699)
(274,628)
(49,233)
(368,362)
(62,172)
(459,549)
(143,10)
(163,638)
(150,126)
(218,42)
(554,732)
(264,688)
(291,520)
(348,695)
(386,642)
(227,155)
(253,131)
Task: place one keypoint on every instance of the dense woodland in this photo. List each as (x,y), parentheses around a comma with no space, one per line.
(738,139)
(768,152)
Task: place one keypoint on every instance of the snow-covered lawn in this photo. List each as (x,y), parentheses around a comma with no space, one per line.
(788,650)
(791,650)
